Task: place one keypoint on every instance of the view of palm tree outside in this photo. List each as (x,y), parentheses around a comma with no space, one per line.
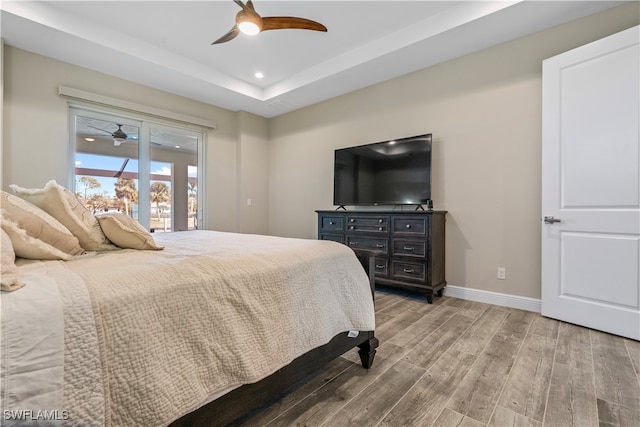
(103,192)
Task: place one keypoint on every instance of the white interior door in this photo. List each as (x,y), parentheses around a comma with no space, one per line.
(591,185)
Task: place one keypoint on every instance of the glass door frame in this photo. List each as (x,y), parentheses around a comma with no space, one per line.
(182,130)
(144,124)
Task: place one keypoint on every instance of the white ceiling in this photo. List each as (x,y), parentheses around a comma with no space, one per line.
(166,44)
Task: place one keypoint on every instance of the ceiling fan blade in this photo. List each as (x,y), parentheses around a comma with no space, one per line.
(119,173)
(250,5)
(232,34)
(286,22)
(102,130)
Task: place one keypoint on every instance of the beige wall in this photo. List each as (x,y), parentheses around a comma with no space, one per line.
(253,173)
(484,111)
(35,148)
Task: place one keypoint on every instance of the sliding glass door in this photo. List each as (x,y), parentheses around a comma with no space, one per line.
(173,185)
(144,169)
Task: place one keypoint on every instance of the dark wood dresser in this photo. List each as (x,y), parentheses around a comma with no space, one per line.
(409,246)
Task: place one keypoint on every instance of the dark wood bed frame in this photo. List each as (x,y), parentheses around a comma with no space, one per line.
(245,401)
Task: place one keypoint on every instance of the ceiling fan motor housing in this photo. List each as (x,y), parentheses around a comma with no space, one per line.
(249,22)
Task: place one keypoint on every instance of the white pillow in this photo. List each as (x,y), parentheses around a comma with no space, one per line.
(26,246)
(126,232)
(64,206)
(34,233)
(10,275)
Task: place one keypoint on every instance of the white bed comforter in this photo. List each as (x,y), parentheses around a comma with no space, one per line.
(149,336)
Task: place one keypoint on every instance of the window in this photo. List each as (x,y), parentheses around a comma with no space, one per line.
(145,169)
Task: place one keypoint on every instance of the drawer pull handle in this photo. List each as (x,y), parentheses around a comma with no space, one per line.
(353,243)
(331,222)
(380,228)
(352,220)
(380,245)
(408,226)
(351,227)
(409,248)
(380,266)
(380,221)
(408,270)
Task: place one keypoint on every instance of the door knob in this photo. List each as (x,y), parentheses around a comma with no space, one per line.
(550,220)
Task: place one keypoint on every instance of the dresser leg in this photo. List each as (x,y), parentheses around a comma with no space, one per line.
(430,298)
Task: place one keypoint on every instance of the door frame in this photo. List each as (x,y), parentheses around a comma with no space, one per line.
(144,124)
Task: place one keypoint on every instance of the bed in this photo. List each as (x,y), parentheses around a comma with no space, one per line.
(201,332)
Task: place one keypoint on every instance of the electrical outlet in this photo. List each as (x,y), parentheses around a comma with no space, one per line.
(502,273)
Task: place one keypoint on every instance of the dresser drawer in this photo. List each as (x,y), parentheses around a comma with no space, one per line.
(368,224)
(416,226)
(382,267)
(368,243)
(409,248)
(333,237)
(401,270)
(331,223)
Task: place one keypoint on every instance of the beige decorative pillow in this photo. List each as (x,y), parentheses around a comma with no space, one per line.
(64,206)
(10,275)
(126,232)
(34,233)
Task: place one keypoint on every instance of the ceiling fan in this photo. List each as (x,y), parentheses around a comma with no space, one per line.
(249,22)
(118,136)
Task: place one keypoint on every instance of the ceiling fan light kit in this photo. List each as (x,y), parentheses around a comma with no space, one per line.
(119,136)
(249,22)
(249,28)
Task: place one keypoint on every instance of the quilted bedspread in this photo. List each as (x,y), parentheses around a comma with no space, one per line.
(152,335)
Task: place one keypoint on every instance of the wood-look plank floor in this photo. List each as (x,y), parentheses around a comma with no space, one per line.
(465,363)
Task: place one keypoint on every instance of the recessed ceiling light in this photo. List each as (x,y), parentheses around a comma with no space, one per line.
(177,146)
(89,139)
(259,75)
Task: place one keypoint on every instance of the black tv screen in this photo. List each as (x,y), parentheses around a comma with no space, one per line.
(396,172)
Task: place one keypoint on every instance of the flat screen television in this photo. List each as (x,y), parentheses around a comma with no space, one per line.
(396,172)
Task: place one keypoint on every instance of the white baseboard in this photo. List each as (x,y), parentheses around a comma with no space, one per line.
(505,300)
